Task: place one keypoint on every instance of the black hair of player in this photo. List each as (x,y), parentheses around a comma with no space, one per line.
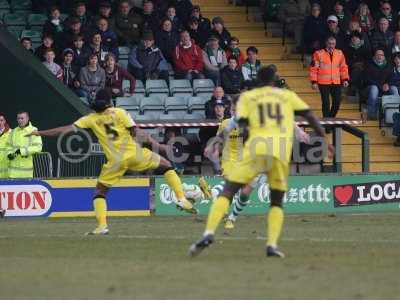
(102,101)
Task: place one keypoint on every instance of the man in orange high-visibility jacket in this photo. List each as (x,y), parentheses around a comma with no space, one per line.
(329,72)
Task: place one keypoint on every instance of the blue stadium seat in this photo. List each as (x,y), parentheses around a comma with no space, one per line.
(203,86)
(205,96)
(195,116)
(139,87)
(152,103)
(167,117)
(196,103)
(134,114)
(16,32)
(34,35)
(4,5)
(3,12)
(389,105)
(175,104)
(21,5)
(156,86)
(123,52)
(132,102)
(178,86)
(149,115)
(36,21)
(15,20)
(123,63)
(177,114)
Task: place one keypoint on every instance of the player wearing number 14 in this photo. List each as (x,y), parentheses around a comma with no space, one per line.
(116,130)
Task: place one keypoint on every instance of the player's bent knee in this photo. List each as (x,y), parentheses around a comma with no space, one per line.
(230,189)
(277,198)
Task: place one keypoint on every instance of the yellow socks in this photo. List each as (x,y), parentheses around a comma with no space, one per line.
(275,222)
(218,210)
(174,183)
(100,208)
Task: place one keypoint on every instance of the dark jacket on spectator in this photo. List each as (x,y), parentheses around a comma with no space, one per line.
(128,28)
(70,75)
(391,18)
(199,36)
(395,78)
(55,31)
(86,20)
(177,25)
(204,24)
(232,80)
(376,75)
(67,38)
(224,38)
(81,56)
(313,33)
(384,40)
(210,104)
(148,59)
(101,54)
(340,37)
(92,82)
(110,40)
(183,9)
(186,59)
(151,22)
(167,41)
(344,21)
(114,80)
(359,55)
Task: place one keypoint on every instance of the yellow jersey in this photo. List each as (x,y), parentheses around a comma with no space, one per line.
(112,128)
(232,141)
(270,113)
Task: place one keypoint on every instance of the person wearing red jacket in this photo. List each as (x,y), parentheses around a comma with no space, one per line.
(188,58)
(328,72)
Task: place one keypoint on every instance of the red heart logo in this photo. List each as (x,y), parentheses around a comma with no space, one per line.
(343,194)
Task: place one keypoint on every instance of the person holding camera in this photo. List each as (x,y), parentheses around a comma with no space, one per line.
(21,148)
(328,72)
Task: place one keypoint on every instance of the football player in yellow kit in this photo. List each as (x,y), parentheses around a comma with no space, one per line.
(266,122)
(116,132)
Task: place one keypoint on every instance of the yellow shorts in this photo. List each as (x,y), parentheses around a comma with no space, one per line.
(245,170)
(112,172)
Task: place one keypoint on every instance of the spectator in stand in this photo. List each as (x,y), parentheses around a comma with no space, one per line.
(313,32)
(98,48)
(81,14)
(251,67)
(74,29)
(171,15)
(336,32)
(146,60)
(385,11)
(364,18)
(128,25)
(204,23)
(357,55)
(395,78)
(382,37)
(47,43)
(92,78)
(354,26)
(197,35)
(343,16)
(54,25)
(188,58)
(232,78)
(328,72)
(377,78)
(292,13)
(221,32)
(108,37)
(105,12)
(234,51)
(218,97)
(49,63)
(351,5)
(27,44)
(214,59)
(81,53)
(183,10)
(396,43)
(151,19)
(167,39)
(69,70)
(115,75)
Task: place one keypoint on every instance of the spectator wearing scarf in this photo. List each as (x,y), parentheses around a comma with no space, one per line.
(214,59)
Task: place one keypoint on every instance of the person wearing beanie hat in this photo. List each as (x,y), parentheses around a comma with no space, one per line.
(146,61)
(221,32)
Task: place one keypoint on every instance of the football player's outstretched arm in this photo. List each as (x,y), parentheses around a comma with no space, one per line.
(54,131)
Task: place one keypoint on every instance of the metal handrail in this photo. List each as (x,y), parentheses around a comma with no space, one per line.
(364,144)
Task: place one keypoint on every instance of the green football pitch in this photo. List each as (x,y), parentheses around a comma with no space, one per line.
(328,257)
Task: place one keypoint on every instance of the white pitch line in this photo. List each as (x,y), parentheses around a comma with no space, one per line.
(218,238)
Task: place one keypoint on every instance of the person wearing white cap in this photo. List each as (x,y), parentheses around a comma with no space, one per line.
(334,30)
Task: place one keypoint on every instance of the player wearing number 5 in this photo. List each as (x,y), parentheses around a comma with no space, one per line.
(266,122)
(116,130)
